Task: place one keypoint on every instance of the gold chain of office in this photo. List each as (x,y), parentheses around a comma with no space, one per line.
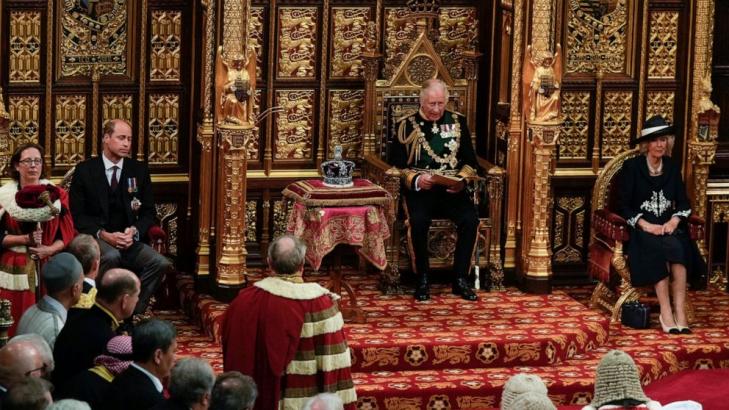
(449,159)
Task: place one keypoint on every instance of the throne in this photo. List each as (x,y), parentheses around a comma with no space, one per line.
(607,263)
(391,98)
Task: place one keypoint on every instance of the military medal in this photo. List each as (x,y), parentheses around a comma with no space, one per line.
(435,129)
(133,189)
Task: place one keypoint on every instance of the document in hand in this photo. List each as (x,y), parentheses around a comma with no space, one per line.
(445,180)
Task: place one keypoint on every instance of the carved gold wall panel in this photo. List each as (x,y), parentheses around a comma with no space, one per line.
(458,33)
(70,129)
(94,33)
(298,28)
(24,123)
(25,47)
(256,38)
(295,125)
(663,44)
(616,122)
(660,103)
(574,137)
(164,45)
(399,33)
(117,106)
(251,221)
(596,28)
(253,144)
(346,110)
(167,215)
(280,218)
(349,25)
(164,128)
(569,229)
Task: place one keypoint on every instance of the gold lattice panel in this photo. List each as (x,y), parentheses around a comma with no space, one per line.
(660,103)
(164,45)
(297,33)
(294,126)
(576,112)
(348,40)
(70,129)
(346,110)
(569,229)
(251,221)
(164,128)
(24,123)
(117,107)
(25,47)
(663,44)
(458,33)
(596,28)
(280,218)
(399,32)
(94,33)
(256,35)
(616,122)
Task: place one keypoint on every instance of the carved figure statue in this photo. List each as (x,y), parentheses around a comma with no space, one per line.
(542,82)
(235,88)
(705,103)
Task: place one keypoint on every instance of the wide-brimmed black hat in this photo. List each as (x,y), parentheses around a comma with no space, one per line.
(654,127)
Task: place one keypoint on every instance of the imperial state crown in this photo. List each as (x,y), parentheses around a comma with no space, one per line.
(337,172)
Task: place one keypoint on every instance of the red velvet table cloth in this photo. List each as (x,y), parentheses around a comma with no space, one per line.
(362,224)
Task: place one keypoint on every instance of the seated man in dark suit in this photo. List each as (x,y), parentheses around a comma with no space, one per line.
(111,199)
(154,345)
(191,382)
(85,335)
(85,248)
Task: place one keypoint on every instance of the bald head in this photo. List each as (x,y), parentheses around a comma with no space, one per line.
(115,283)
(286,255)
(18,360)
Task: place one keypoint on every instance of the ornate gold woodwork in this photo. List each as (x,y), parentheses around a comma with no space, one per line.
(256,38)
(236,28)
(117,106)
(164,129)
(167,216)
(69,129)
(348,41)
(206,222)
(660,103)
(164,45)
(576,112)
(616,124)
(399,32)
(298,38)
(720,213)
(5,152)
(596,29)
(346,115)
(280,218)
(458,33)
(294,125)
(25,47)
(251,210)
(24,123)
(703,42)
(663,44)
(253,147)
(142,95)
(569,229)
(94,34)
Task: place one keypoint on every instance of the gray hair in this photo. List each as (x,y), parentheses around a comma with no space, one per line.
(233,391)
(432,84)
(286,260)
(41,345)
(69,404)
(190,380)
(324,401)
(86,250)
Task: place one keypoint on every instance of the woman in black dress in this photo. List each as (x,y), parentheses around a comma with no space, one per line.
(653,200)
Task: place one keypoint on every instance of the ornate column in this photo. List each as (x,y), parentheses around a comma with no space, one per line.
(470,69)
(371,68)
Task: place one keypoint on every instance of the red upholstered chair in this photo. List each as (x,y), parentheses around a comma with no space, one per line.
(607,263)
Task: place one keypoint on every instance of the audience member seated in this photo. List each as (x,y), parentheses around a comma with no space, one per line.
(30,393)
(92,385)
(233,391)
(20,239)
(617,384)
(69,404)
(23,356)
(86,250)
(519,384)
(85,335)
(111,199)
(41,346)
(532,400)
(191,382)
(63,278)
(284,333)
(139,387)
(324,401)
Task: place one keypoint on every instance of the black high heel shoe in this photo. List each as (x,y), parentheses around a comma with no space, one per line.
(684,330)
(668,329)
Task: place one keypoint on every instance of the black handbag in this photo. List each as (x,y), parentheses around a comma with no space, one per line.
(635,314)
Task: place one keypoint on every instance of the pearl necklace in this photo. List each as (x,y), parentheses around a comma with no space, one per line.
(654,171)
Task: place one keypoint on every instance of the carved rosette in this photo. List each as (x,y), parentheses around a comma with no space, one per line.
(544,141)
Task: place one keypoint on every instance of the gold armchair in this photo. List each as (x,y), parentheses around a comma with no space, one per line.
(387,100)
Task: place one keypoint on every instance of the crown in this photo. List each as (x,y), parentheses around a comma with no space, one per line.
(337,172)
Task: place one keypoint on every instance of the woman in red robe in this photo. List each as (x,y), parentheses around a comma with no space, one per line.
(29,230)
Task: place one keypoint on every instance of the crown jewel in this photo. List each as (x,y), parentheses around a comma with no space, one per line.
(337,172)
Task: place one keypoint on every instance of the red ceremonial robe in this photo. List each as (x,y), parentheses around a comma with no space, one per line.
(289,338)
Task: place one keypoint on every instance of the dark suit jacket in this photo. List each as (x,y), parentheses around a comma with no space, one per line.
(170,404)
(84,337)
(132,389)
(90,199)
(86,386)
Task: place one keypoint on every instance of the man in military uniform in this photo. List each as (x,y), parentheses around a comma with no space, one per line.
(435,141)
